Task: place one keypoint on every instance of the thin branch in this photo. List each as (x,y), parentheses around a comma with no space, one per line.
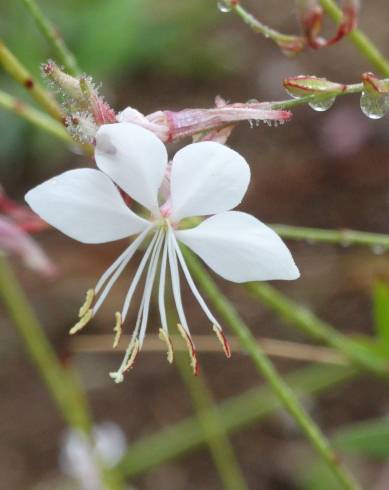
(54,38)
(307,322)
(34,116)
(342,237)
(207,343)
(233,415)
(20,73)
(359,39)
(267,370)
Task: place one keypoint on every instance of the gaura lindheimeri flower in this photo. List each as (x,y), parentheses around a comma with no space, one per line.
(203,179)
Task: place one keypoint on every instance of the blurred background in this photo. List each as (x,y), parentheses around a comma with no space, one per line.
(326,170)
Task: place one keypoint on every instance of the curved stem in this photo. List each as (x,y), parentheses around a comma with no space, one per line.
(53,37)
(266,368)
(359,39)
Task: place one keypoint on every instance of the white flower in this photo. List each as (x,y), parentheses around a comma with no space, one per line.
(205,178)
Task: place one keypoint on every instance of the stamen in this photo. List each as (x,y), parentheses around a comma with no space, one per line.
(137,276)
(134,353)
(149,285)
(192,352)
(161,291)
(90,296)
(216,327)
(223,340)
(117,329)
(82,322)
(165,338)
(131,353)
(117,268)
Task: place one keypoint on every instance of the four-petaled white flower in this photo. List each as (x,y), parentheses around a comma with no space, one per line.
(203,179)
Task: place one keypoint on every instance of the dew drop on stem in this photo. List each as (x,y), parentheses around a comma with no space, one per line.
(224,6)
(322,105)
(374,106)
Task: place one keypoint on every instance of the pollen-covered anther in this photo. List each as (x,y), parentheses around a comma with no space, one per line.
(165,338)
(117,329)
(82,322)
(223,340)
(192,352)
(134,352)
(90,296)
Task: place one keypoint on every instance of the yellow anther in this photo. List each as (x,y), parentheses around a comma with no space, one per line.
(134,353)
(222,339)
(117,329)
(192,353)
(90,296)
(163,336)
(81,324)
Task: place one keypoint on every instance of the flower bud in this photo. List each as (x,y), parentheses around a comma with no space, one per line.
(303,85)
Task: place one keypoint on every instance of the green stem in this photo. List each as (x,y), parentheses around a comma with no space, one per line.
(359,39)
(233,415)
(257,26)
(214,432)
(34,116)
(266,368)
(52,35)
(62,383)
(20,73)
(342,237)
(307,322)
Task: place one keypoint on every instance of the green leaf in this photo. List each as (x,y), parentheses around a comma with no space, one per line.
(381,313)
(369,438)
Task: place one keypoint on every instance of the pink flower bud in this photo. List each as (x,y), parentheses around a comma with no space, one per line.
(373,85)
(85,109)
(215,123)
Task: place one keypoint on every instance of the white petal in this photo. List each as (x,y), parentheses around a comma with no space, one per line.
(85,205)
(240,248)
(207,178)
(134,158)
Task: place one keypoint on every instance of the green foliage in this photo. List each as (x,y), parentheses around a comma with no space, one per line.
(381,314)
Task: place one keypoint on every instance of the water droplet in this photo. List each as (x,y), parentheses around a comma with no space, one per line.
(374,106)
(224,6)
(378,249)
(323,105)
(251,123)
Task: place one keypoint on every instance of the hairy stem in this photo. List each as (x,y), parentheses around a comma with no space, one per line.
(54,38)
(266,368)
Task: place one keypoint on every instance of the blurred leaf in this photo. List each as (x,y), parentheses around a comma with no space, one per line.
(381,313)
(317,476)
(369,438)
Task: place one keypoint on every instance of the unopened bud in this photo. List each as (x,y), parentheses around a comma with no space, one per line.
(373,85)
(310,85)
